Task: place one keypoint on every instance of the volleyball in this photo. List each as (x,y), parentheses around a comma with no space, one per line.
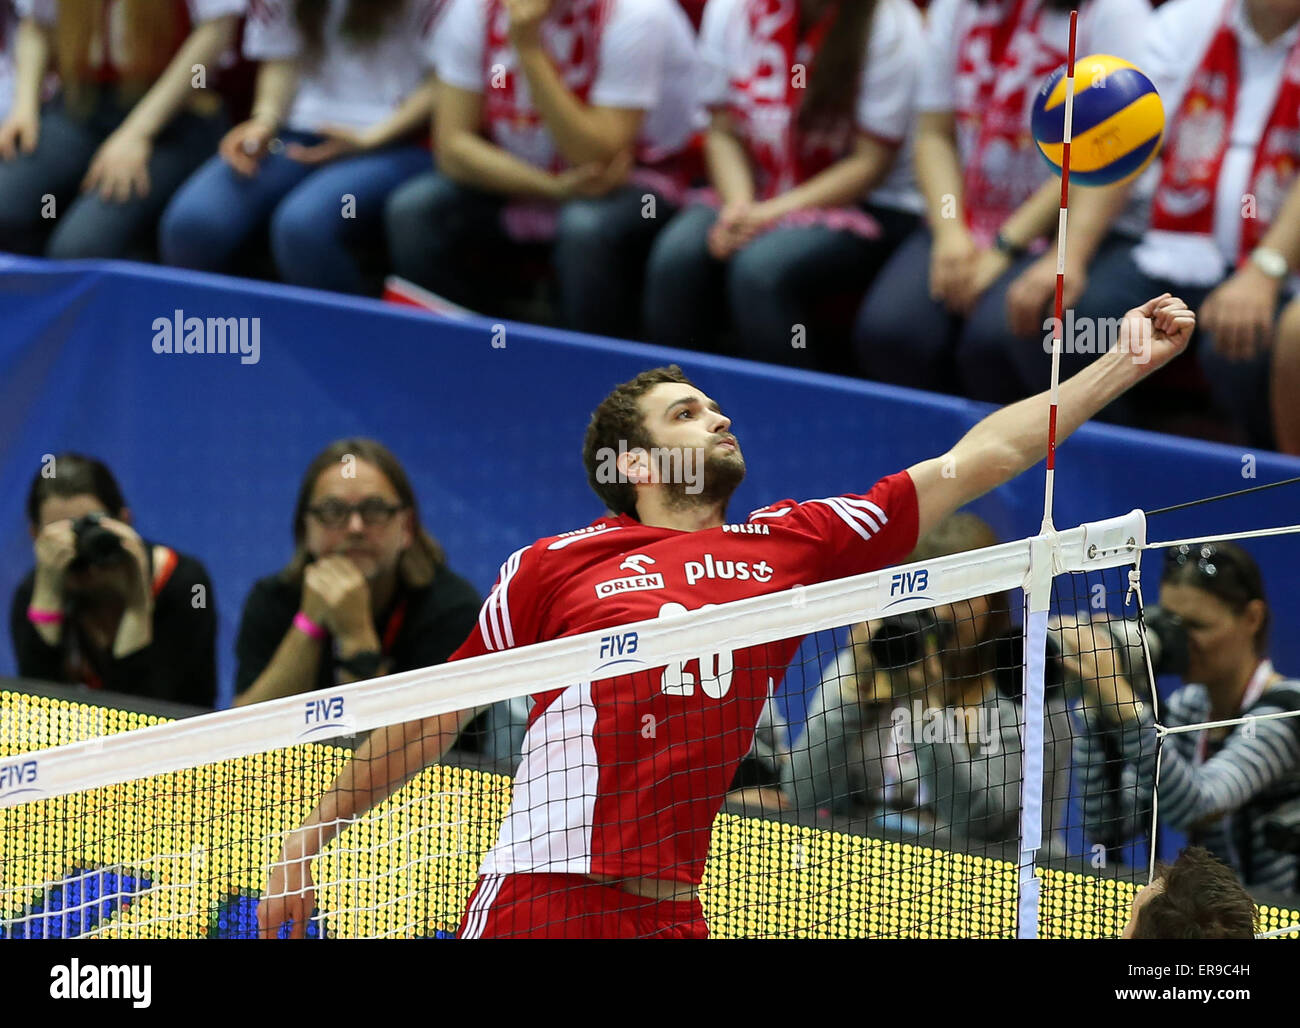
(1117,126)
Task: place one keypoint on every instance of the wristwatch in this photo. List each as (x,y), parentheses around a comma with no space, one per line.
(1270,262)
(363,664)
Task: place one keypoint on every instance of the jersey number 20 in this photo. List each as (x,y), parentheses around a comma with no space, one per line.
(680,679)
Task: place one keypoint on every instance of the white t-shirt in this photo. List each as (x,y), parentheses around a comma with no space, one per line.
(647,62)
(1115,27)
(1105,27)
(47,11)
(886,100)
(349,84)
(108,46)
(1179,35)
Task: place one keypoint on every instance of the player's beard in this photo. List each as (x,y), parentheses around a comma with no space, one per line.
(723,471)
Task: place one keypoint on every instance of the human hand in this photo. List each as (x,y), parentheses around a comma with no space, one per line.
(988,265)
(526,21)
(594,179)
(723,239)
(1239,313)
(1155,333)
(952,254)
(290,892)
(120,168)
(244,146)
(339,141)
(335,594)
(19,133)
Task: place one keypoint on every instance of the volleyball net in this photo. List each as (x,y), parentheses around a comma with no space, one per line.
(923,751)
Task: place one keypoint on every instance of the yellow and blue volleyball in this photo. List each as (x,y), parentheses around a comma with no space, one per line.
(1118,122)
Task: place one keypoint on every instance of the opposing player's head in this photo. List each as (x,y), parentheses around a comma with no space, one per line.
(660,432)
(1196,897)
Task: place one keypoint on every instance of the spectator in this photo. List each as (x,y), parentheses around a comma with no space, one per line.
(1224,222)
(562,123)
(104,607)
(991,201)
(367,593)
(1195,897)
(1221,784)
(342,97)
(785,228)
(132,120)
(865,748)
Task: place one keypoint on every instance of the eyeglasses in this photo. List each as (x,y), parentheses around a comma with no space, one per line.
(1207,557)
(373,510)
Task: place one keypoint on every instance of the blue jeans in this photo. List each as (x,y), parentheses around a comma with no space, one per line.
(82,225)
(318,214)
(447,237)
(771,288)
(905,338)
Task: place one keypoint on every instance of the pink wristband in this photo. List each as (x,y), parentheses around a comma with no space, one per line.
(308,627)
(44,617)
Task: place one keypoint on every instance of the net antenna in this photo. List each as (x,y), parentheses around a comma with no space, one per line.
(1044,556)
(1058,321)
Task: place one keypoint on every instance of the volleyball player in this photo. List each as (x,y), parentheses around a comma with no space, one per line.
(621,779)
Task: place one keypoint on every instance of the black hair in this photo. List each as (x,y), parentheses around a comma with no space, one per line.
(1226,572)
(73,474)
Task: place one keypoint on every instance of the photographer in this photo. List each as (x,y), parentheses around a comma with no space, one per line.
(104,607)
(1230,787)
(917,722)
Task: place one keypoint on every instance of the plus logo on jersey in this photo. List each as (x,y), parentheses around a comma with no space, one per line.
(740,570)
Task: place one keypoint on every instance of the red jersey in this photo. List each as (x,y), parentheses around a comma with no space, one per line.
(624,776)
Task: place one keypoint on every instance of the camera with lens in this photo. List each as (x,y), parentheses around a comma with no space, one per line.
(1282,827)
(903,640)
(97,546)
(1167,641)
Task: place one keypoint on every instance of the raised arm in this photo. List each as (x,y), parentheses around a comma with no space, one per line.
(1012,440)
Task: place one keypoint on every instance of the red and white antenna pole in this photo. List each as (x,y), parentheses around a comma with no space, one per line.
(1058,320)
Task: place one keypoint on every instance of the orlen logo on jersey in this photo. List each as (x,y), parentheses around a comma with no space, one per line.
(618,649)
(326,714)
(16,778)
(907,584)
(631,584)
(740,570)
(747,529)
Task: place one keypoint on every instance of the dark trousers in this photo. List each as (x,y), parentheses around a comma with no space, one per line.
(42,209)
(768,293)
(448,237)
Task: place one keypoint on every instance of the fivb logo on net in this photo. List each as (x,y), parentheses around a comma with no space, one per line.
(325,716)
(18,778)
(908,585)
(181,334)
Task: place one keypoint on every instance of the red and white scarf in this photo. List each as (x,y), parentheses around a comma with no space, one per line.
(764,98)
(571,37)
(1197,143)
(1001,60)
